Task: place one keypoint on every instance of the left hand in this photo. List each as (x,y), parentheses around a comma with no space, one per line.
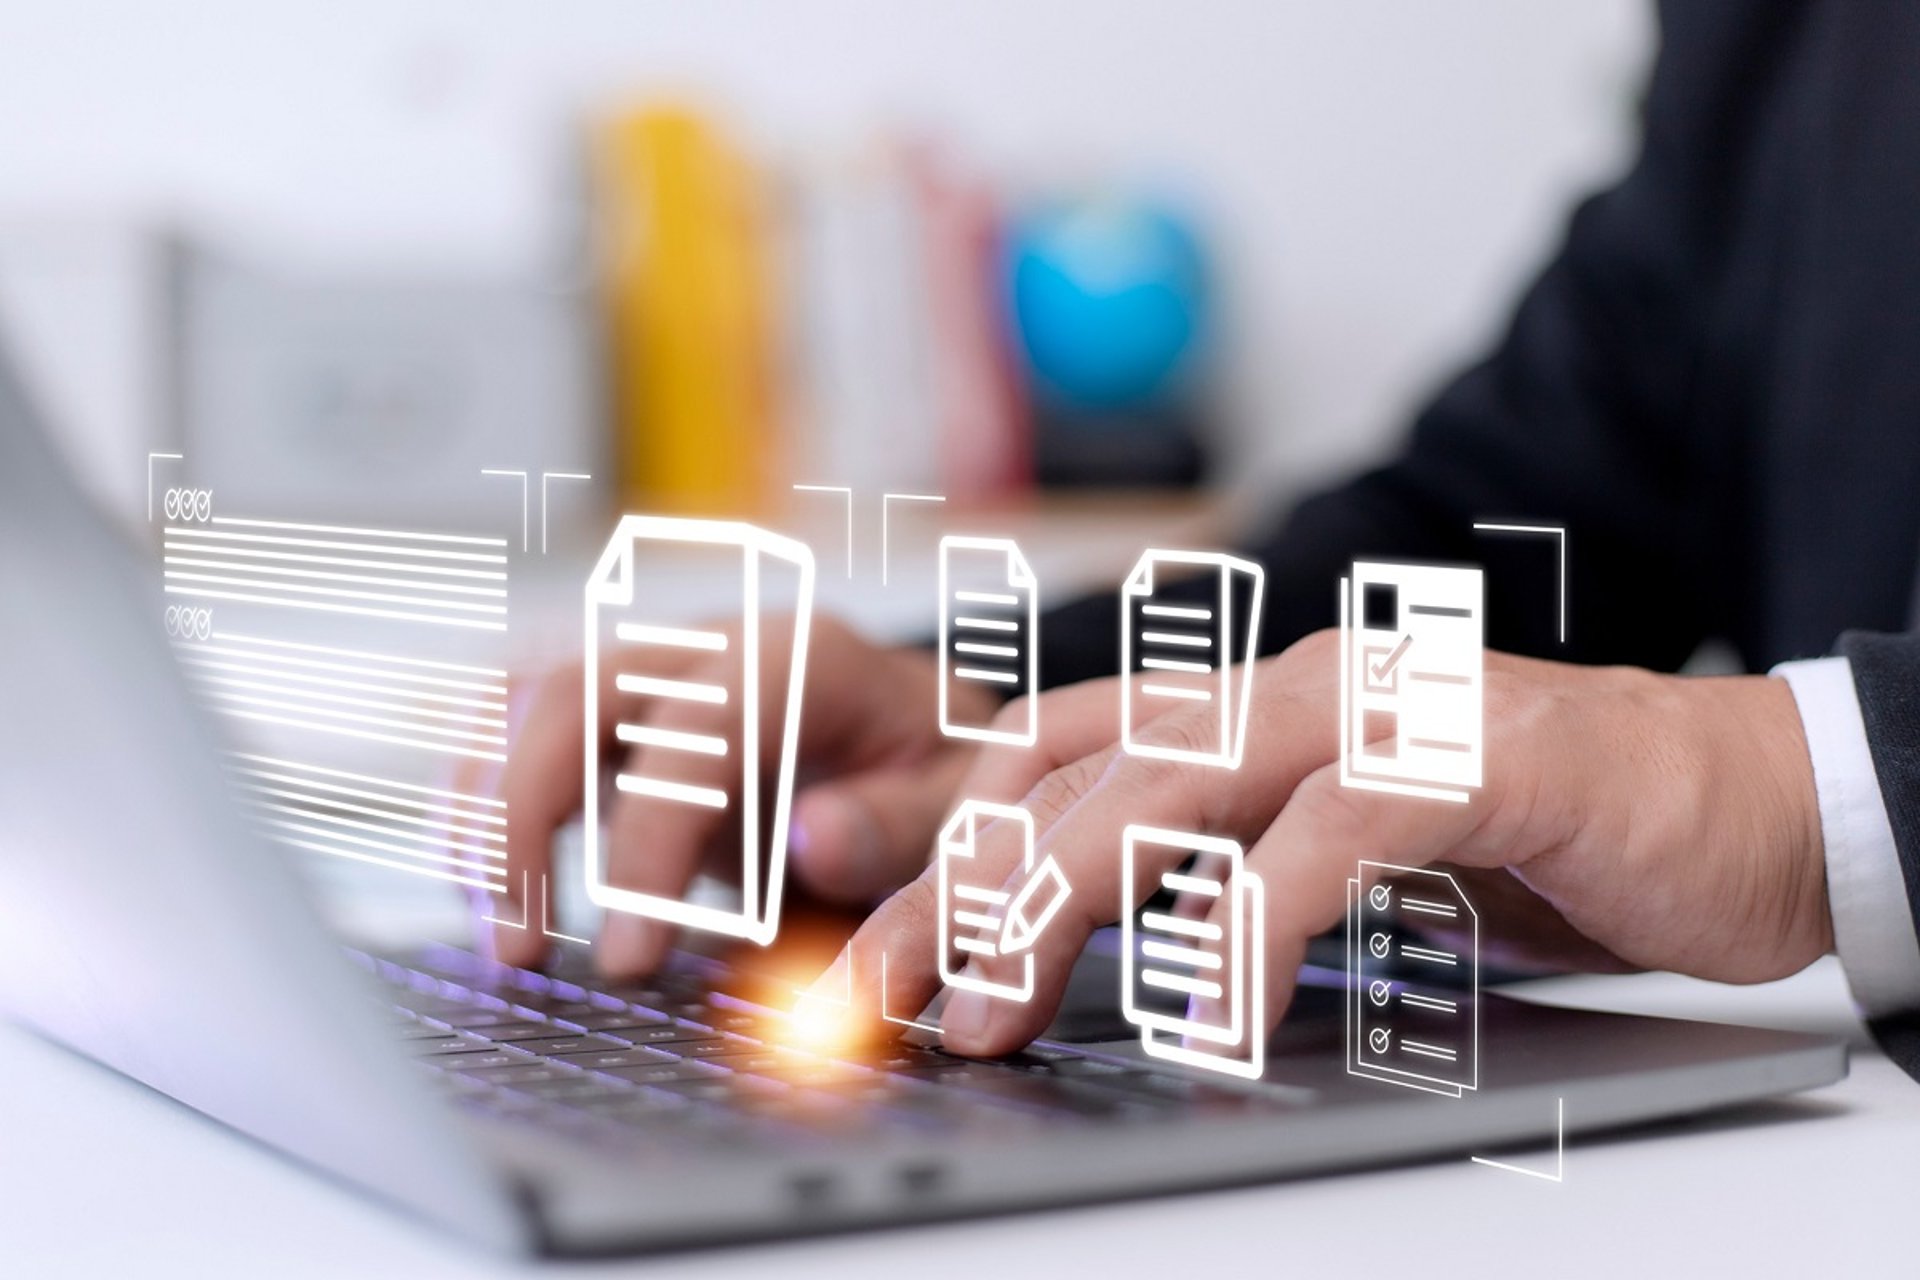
(1626,819)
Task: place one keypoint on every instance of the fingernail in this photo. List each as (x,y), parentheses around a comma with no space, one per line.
(964,1024)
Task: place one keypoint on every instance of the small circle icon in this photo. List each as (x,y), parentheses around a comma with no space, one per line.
(1381,897)
(1380,991)
(1379,944)
(1379,1039)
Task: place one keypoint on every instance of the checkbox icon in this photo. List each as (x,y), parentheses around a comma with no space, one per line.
(1383,665)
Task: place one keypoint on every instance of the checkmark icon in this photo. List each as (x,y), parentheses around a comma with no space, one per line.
(1379,1039)
(1383,666)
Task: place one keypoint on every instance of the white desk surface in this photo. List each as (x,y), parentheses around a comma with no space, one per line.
(100,1177)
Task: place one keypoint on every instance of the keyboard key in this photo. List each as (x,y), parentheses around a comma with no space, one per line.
(520,1030)
(527,1073)
(421,1031)
(569,1045)
(908,1058)
(448,1044)
(572,1089)
(469,1019)
(712,1047)
(623,1020)
(470,1062)
(665,1073)
(617,1058)
(725,1088)
(671,1033)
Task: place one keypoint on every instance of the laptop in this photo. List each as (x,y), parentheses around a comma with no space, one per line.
(146,925)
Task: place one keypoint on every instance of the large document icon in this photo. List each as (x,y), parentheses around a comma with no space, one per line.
(1411,651)
(989,634)
(1413,1012)
(1192,648)
(686,738)
(1171,957)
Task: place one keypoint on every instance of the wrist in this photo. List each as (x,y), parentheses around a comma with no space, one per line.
(1785,830)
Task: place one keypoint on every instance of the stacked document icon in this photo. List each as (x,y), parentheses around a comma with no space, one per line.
(1413,1016)
(698,711)
(1411,648)
(981,917)
(1173,957)
(989,635)
(1192,643)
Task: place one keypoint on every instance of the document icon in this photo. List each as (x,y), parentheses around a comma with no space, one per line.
(989,634)
(1413,1009)
(1411,649)
(1170,957)
(1193,647)
(979,916)
(712,755)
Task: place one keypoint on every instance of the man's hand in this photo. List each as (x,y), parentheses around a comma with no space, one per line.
(876,777)
(1626,820)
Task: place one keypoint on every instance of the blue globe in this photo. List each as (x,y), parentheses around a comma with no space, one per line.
(1109,298)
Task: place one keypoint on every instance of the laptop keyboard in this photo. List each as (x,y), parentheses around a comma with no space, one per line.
(624,1064)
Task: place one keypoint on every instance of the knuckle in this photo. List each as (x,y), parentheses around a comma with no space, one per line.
(1189,733)
(1325,805)
(1061,790)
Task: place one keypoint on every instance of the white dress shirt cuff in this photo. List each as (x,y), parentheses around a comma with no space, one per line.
(1873,925)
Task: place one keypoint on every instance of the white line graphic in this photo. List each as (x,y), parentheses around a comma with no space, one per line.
(846,493)
(151,457)
(487,471)
(544,477)
(1559,1173)
(1555,531)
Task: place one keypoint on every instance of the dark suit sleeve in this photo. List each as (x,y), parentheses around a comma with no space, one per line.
(1601,409)
(1886,676)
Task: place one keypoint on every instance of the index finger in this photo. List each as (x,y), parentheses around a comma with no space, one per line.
(1076,722)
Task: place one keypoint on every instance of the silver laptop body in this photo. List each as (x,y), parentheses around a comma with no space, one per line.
(146,926)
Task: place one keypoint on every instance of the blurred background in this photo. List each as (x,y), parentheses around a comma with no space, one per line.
(1000,251)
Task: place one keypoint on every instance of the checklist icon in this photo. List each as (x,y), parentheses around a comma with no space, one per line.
(1411,653)
(1413,980)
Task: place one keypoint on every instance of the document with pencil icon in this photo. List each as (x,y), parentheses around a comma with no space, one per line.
(700,711)
(1192,646)
(979,915)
